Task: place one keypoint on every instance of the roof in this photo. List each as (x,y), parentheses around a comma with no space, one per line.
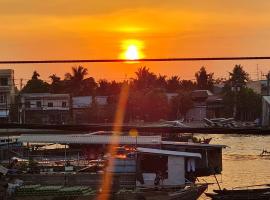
(86,101)
(33,95)
(201,93)
(193,144)
(89,139)
(267,99)
(169,153)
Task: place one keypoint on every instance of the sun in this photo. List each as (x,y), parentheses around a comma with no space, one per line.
(132,53)
(132,50)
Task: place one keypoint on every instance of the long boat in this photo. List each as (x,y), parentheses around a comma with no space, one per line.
(241,194)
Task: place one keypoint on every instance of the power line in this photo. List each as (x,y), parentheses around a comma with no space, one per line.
(137,60)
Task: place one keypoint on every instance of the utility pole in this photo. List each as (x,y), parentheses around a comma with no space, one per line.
(21,84)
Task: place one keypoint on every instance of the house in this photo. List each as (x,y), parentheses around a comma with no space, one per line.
(171,165)
(266,111)
(205,105)
(7,93)
(45,108)
(81,107)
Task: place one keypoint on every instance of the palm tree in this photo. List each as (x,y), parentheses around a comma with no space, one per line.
(78,74)
(75,79)
(173,84)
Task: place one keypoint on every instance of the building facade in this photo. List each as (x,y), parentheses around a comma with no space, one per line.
(260,86)
(45,108)
(7,94)
(266,111)
(205,105)
(83,108)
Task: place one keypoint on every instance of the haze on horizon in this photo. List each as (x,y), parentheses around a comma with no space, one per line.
(99,29)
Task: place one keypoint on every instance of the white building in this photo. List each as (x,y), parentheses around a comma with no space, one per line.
(266,111)
(7,93)
(45,108)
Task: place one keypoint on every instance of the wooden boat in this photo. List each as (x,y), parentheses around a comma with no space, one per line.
(241,194)
(188,193)
(192,192)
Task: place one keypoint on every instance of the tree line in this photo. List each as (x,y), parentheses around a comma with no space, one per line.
(147,94)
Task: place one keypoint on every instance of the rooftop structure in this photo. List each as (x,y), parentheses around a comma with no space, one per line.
(90,139)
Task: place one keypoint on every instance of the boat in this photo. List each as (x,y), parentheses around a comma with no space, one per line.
(241,194)
(37,192)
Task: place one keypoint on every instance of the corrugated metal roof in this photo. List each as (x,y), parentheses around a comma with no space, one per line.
(169,153)
(192,144)
(89,139)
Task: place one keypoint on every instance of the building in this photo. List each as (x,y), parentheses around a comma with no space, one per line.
(205,105)
(45,108)
(266,111)
(260,86)
(7,93)
(82,105)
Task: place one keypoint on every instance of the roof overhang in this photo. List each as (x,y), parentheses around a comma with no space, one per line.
(168,153)
(90,139)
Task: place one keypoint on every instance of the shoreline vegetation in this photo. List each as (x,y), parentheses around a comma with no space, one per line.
(147,97)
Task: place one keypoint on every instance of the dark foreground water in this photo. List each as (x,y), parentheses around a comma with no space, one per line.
(242,163)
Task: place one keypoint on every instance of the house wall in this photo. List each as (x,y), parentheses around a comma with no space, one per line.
(7,93)
(45,108)
(176,171)
(197,113)
(265,111)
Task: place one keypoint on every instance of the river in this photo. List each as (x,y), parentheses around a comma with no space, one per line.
(242,163)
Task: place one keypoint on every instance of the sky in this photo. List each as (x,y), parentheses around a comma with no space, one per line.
(102,29)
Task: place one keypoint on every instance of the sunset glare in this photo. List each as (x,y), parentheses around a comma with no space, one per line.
(132,53)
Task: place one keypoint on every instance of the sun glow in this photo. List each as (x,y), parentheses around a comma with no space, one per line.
(132,50)
(132,53)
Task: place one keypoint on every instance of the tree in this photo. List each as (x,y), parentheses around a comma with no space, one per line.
(56,84)
(238,76)
(74,81)
(35,85)
(173,84)
(187,85)
(180,105)
(205,80)
(161,81)
(145,79)
(241,102)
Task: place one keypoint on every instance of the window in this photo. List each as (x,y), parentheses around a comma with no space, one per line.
(3,98)
(64,104)
(4,81)
(27,104)
(38,103)
(50,104)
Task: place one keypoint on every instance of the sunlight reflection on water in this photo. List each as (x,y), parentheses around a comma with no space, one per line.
(242,165)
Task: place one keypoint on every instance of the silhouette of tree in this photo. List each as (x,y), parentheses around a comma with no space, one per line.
(187,85)
(35,85)
(238,76)
(56,84)
(74,81)
(161,81)
(145,79)
(173,84)
(205,80)
(180,105)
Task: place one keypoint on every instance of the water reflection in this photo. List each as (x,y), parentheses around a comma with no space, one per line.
(242,163)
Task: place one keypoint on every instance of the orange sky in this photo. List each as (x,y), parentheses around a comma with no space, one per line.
(69,29)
